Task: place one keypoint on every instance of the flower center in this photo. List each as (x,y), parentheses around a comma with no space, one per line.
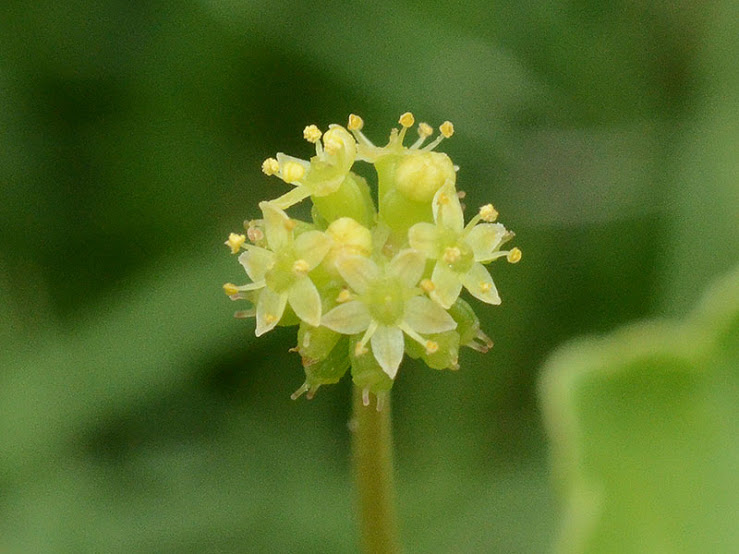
(458,256)
(284,272)
(385,301)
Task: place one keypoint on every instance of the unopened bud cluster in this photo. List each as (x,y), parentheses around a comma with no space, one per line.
(367,285)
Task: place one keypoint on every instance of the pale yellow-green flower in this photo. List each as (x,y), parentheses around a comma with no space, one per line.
(387,305)
(280,273)
(460,251)
(323,174)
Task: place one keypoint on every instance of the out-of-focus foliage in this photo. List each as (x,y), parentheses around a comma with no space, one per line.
(136,416)
(644,428)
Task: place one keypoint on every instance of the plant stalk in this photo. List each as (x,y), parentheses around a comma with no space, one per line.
(372,461)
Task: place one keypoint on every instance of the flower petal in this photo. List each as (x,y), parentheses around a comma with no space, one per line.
(312,246)
(357,271)
(408,266)
(423,237)
(276,226)
(305,301)
(349,319)
(257,262)
(484,239)
(480,284)
(447,285)
(447,209)
(387,347)
(425,316)
(270,308)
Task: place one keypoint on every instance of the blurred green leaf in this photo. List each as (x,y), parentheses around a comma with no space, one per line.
(644,426)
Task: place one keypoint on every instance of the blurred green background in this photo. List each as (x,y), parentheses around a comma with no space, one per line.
(137,416)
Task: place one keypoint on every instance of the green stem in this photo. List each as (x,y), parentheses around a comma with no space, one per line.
(372,453)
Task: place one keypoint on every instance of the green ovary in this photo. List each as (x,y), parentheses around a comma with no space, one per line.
(281,276)
(385,301)
(458,256)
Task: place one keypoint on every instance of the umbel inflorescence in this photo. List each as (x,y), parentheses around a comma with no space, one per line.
(367,285)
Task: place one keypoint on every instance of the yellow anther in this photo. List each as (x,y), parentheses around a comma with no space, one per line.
(431,346)
(488,213)
(292,171)
(255,234)
(355,123)
(270,318)
(230,289)
(333,142)
(425,130)
(442,199)
(300,267)
(427,285)
(447,129)
(514,256)
(235,242)
(485,287)
(360,349)
(407,119)
(344,296)
(452,254)
(312,134)
(270,166)
(290,224)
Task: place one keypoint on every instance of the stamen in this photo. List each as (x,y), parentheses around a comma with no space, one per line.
(427,285)
(514,256)
(365,396)
(292,171)
(312,392)
(447,130)
(255,234)
(270,318)
(407,119)
(300,392)
(306,340)
(380,396)
(230,289)
(488,213)
(312,134)
(290,224)
(431,346)
(451,255)
(361,348)
(235,242)
(355,123)
(485,287)
(344,296)
(403,326)
(300,267)
(245,314)
(270,166)
(481,342)
(424,131)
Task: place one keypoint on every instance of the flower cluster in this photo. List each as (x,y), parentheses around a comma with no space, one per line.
(368,285)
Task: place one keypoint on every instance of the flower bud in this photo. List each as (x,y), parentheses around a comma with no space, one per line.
(419,174)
